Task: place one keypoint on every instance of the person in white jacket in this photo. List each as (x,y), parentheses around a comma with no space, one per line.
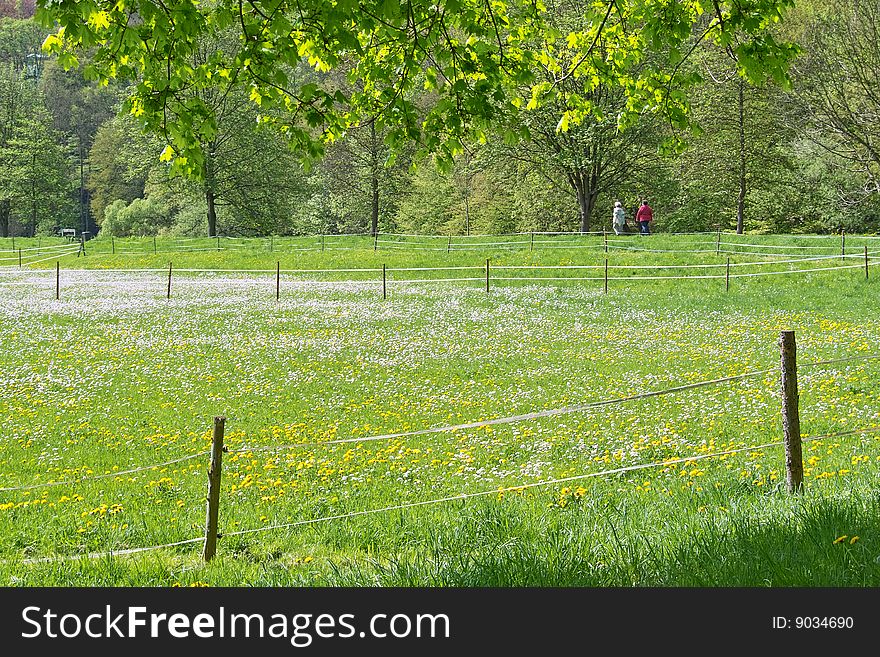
(619,219)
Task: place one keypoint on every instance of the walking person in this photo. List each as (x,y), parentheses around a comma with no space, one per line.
(618,221)
(645,215)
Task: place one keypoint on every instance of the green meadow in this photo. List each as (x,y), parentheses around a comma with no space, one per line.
(108,397)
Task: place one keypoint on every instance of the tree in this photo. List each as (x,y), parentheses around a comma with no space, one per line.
(475,55)
(361,172)
(20,45)
(78,109)
(836,100)
(120,160)
(741,154)
(34,173)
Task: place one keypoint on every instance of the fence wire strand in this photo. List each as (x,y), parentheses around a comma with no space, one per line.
(441,500)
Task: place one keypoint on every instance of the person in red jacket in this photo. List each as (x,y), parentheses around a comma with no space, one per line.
(645,215)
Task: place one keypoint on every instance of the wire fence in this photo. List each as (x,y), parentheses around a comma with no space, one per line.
(453,428)
(614,273)
(440,500)
(696,243)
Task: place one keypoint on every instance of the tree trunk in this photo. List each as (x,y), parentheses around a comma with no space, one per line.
(33,228)
(4,217)
(741,199)
(83,222)
(374,181)
(212,212)
(209,198)
(586,198)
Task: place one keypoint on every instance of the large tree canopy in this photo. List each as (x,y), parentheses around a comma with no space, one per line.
(475,56)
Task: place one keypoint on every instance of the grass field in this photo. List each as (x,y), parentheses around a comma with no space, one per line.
(115,377)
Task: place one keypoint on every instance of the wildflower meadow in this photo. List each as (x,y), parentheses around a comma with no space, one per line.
(439,434)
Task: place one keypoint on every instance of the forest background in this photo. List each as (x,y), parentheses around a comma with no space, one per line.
(802,157)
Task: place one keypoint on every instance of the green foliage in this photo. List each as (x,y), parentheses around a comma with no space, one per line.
(120,160)
(474,56)
(141,218)
(34,169)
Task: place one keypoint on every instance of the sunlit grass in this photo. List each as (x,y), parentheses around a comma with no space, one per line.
(115,376)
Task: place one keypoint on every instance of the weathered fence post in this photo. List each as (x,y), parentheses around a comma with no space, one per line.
(448,244)
(842,244)
(532,241)
(718,242)
(218,242)
(213,512)
(606,275)
(19,258)
(791,423)
(57,280)
(383,282)
(866,262)
(376,241)
(727,277)
(605,239)
(168,295)
(278,281)
(487,275)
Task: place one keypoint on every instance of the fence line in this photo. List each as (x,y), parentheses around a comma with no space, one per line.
(106,475)
(512,419)
(49,247)
(548,482)
(470,425)
(676,278)
(441,500)
(55,255)
(760,263)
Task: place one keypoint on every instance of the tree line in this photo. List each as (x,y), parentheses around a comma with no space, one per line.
(705,129)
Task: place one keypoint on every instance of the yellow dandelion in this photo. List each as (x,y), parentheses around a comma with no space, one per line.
(840,539)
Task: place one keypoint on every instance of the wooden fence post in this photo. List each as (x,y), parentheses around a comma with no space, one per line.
(605,238)
(532,241)
(842,244)
(57,280)
(19,258)
(718,242)
(213,512)
(376,241)
(791,423)
(606,275)
(866,262)
(448,244)
(168,295)
(278,281)
(218,242)
(384,296)
(727,277)
(487,275)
